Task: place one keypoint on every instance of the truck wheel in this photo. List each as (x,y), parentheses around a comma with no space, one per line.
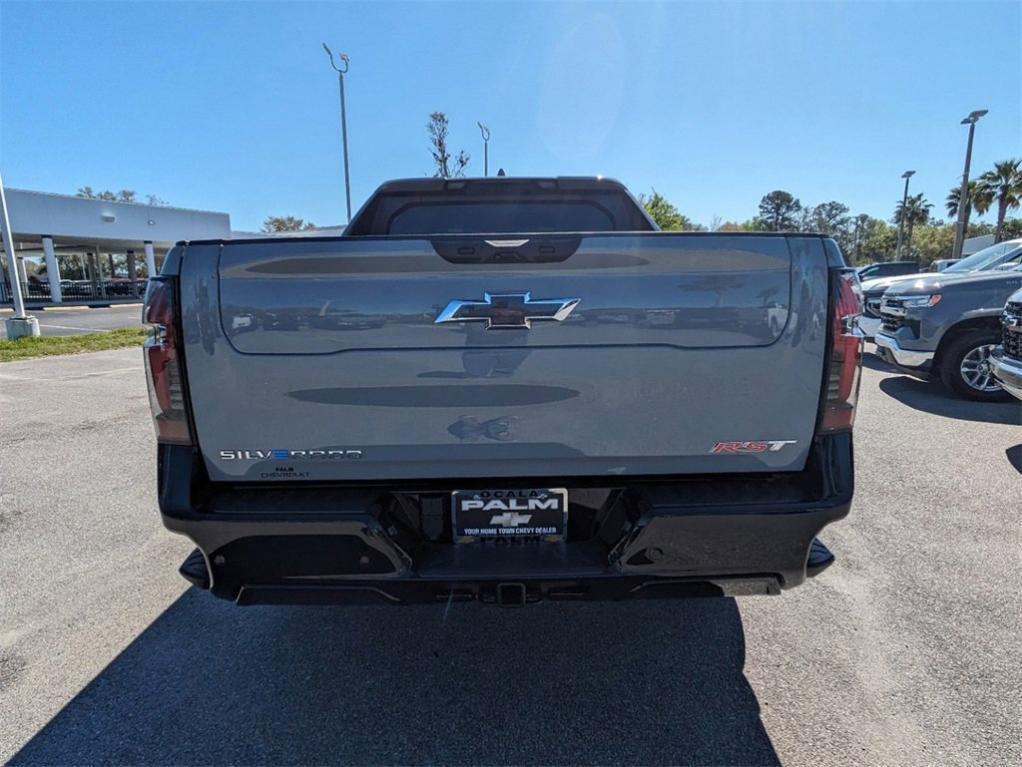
(965,367)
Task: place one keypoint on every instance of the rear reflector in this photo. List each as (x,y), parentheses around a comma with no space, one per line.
(844,366)
(163,363)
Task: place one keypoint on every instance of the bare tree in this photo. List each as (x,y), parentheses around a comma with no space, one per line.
(447,165)
(124,195)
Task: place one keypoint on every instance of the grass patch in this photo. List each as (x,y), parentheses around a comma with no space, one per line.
(46,346)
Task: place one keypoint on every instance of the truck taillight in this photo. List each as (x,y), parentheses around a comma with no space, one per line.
(163,363)
(843,369)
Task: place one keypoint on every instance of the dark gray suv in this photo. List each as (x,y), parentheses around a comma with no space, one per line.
(945,326)
(1003,255)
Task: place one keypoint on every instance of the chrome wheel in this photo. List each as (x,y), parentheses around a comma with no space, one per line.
(975,369)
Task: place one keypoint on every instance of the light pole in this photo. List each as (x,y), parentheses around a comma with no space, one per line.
(963,194)
(901,224)
(341,70)
(486,148)
(19,324)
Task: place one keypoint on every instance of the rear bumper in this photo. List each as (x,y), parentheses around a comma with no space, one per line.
(675,542)
(1008,372)
(912,361)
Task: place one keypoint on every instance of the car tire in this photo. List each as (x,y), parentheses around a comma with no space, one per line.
(968,353)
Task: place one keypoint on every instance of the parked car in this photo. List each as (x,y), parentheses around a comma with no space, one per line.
(946,328)
(1006,360)
(1004,255)
(887,269)
(77,288)
(473,430)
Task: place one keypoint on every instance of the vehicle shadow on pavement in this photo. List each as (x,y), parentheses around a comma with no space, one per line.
(657,682)
(1014,455)
(931,397)
(875,362)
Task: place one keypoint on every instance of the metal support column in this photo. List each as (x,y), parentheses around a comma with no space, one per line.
(131,273)
(150,259)
(19,324)
(98,261)
(52,269)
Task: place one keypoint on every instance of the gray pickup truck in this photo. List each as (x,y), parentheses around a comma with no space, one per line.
(945,326)
(505,390)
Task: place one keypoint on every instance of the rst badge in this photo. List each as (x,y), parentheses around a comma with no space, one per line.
(752,446)
(531,513)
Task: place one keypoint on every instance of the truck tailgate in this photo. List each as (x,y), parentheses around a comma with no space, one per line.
(323,360)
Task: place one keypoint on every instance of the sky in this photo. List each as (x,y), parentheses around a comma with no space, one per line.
(233,106)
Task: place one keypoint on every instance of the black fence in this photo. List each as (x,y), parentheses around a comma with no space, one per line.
(122,289)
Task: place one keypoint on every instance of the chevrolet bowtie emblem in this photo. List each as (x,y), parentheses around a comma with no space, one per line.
(507,310)
(510,519)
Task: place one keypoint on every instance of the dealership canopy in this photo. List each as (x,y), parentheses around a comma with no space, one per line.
(78,234)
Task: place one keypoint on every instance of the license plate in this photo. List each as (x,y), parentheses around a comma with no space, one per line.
(510,514)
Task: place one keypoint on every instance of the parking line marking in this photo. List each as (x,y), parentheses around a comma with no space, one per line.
(95,374)
(72,327)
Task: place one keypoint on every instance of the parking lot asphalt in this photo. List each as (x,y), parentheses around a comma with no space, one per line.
(76,320)
(905,652)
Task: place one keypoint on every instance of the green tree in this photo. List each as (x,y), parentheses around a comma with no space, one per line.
(752,225)
(877,240)
(1004,185)
(933,242)
(979,228)
(286,224)
(778,211)
(858,226)
(832,219)
(447,165)
(1012,229)
(666,214)
(914,211)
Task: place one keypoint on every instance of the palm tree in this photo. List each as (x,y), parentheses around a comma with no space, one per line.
(915,210)
(1004,184)
(978,199)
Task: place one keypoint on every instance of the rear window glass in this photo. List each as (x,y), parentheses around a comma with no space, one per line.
(501,206)
(500,218)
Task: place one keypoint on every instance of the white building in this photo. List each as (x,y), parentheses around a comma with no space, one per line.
(94,251)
